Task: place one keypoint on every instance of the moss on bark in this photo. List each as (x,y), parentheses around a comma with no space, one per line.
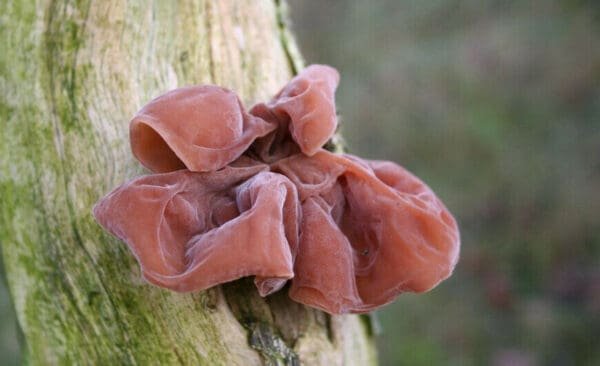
(72,73)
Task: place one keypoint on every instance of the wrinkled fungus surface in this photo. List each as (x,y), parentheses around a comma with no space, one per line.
(239,193)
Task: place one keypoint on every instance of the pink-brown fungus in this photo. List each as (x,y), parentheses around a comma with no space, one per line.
(201,128)
(191,231)
(370,231)
(304,109)
(255,194)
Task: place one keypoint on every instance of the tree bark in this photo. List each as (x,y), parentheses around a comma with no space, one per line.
(72,74)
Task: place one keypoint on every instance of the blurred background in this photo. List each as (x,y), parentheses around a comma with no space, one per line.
(496,105)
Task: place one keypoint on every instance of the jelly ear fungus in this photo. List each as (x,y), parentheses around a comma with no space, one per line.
(237,194)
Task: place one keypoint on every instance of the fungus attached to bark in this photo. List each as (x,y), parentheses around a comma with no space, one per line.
(255,194)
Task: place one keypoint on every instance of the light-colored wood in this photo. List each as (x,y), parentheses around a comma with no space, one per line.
(72,73)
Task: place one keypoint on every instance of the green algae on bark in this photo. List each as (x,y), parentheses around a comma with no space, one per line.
(72,74)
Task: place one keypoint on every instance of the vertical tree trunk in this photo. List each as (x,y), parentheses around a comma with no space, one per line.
(72,74)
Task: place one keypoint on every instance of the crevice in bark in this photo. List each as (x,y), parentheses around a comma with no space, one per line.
(371,322)
(287,42)
(272,348)
(255,315)
(329,327)
(209,30)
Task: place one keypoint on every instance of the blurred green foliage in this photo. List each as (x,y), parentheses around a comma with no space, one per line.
(496,105)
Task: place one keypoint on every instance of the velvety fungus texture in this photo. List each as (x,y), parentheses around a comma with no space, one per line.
(237,193)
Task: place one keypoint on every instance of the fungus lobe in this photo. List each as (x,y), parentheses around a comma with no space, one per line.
(201,128)
(190,230)
(370,231)
(304,111)
(255,194)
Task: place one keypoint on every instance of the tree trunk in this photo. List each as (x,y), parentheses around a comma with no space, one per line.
(72,74)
